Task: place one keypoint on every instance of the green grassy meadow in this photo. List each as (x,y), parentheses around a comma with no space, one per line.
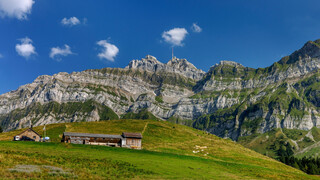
(170,151)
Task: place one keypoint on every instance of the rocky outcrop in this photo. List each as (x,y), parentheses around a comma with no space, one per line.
(175,65)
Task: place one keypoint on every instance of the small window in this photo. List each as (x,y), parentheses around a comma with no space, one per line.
(34,137)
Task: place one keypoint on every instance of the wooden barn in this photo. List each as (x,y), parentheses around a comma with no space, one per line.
(128,140)
(94,139)
(132,140)
(28,135)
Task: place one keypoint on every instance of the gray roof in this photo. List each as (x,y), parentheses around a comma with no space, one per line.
(77,138)
(92,135)
(132,135)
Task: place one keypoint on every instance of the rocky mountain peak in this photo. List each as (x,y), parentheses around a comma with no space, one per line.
(182,64)
(149,63)
(151,59)
(311,49)
(175,65)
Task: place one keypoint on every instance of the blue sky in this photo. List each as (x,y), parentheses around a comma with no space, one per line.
(46,37)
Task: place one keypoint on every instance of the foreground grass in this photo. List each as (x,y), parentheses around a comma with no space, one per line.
(170,151)
(97,162)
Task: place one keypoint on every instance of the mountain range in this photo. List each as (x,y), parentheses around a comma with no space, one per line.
(230,100)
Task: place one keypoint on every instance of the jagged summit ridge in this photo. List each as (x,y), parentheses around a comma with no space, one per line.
(175,65)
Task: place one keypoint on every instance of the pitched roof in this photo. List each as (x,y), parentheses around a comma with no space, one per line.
(92,135)
(31,130)
(132,135)
(77,138)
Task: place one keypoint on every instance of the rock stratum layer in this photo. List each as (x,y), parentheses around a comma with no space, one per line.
(229,100)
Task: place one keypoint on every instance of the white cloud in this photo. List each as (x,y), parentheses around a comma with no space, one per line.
(1,56)
(72,21)
(196,28)
(25,48)
(175,36)
(16,8)
(109,51)
(57,52)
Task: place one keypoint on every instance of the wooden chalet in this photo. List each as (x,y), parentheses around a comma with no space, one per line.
(128,140)
(28,135)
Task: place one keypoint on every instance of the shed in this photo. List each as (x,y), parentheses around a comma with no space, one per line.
(28,135)
(131,140)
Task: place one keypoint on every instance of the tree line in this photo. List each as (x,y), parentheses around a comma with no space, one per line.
(306,164)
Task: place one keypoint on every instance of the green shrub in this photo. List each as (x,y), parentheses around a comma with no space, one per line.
(159,99)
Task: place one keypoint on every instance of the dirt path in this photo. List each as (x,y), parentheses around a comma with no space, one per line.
(67,126)
(145,127)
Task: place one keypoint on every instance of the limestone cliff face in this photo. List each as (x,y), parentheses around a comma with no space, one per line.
(229,100)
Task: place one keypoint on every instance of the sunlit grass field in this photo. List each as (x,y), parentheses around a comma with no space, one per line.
(169,151)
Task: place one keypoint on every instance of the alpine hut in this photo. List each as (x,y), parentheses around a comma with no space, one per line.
(28,135)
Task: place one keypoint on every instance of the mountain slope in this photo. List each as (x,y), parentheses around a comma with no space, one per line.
(229,100)
(170,151)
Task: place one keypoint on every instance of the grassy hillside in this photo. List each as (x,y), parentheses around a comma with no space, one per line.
(169,151)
